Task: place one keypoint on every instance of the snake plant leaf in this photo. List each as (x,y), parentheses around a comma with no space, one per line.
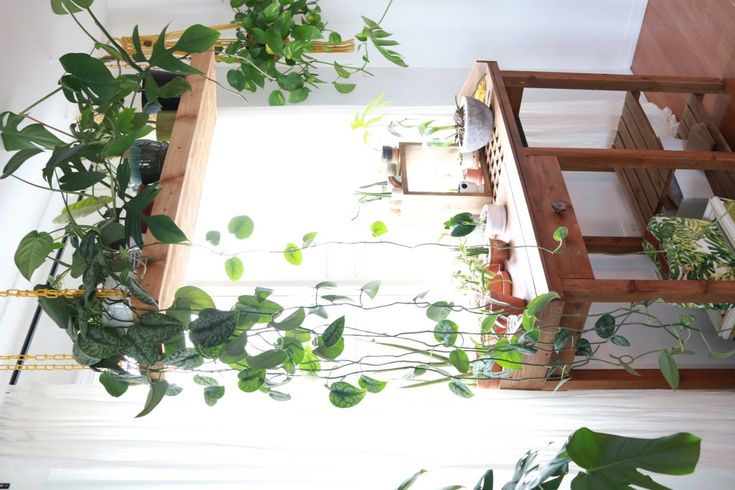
(344,395)
(32,252)
(156,393)
(611,461)
(212,327)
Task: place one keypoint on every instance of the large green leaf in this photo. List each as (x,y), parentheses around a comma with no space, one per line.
(140,348)
(234,268)
(186,358)
(63,7)
(612,461)
(32,251)
(197,299)
(371,384)
(58,309)
(87,79)
(113,384)
(196,39)
(157,327)
(669,369)
(100,342)
(212,327)
(344,395)
(535,306)
(460,360)
(408,482)
(31,137)
(605,326)
(333,333)
(439,311)
(212,394)
(155,395)
(293,254)
(241,226)
(251,379)
(82,208)
(446,332)
(332,352)
(292,321)
(17,160)
(268,359)
(164,229)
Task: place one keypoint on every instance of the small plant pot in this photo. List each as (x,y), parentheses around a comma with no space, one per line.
(509,305)
(474,175)
(478,124)
(499,252)
(499,282)
(166,104)
(146,159)
(495,218)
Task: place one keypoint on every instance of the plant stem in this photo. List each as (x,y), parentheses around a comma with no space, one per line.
(48,126)
(47,96)
(385,12)
(47,188)
(112,40)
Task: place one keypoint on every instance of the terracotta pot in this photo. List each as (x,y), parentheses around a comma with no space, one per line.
(508,304)
(499,251)
(474,175)
(498,281)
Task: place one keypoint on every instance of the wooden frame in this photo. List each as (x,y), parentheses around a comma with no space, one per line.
(181,181)
(529,180)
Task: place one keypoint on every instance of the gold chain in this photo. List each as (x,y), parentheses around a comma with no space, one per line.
(42,367)
(38,357)
(58,293)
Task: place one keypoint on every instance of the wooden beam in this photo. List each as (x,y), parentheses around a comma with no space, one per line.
(584,159)
(595,81)
(181,181)
(515,96)
(613,244)
(622,290)
(649,379)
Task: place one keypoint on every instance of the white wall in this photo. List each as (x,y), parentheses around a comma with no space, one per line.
(440,39)
(30,69)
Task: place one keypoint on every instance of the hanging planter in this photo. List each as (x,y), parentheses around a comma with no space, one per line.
(146,159)
(477,121)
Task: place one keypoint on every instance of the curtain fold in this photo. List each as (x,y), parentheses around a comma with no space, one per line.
(72,436)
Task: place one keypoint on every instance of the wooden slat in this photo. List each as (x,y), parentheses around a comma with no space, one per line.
(622,290)
(649,379)
(594,81)
(613,244)
(574,318)
(533,374)
(515,96)
(181,180)
(581,159)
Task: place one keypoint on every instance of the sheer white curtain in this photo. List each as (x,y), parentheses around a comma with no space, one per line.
(76,437)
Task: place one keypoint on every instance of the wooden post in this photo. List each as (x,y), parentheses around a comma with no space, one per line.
(622,290)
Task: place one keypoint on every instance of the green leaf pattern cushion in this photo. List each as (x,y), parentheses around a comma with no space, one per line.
(685,248)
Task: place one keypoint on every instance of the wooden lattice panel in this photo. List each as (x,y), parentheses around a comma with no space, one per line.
(494,158)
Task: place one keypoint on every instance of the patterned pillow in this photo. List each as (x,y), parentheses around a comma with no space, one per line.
(684,248)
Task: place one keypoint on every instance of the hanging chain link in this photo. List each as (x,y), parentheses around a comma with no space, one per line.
(59,293)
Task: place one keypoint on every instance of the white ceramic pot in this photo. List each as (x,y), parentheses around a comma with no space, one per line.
(495,218)
(478,124)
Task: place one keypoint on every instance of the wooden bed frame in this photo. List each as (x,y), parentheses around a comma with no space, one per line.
(528,180)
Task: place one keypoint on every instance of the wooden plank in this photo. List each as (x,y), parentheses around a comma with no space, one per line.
(595,81)
(533,374)
(641,214)
(622,290)
(574,318)
(649,379)
(581,159)
(613,244)
(515,96)
(181,181)
(545,182)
